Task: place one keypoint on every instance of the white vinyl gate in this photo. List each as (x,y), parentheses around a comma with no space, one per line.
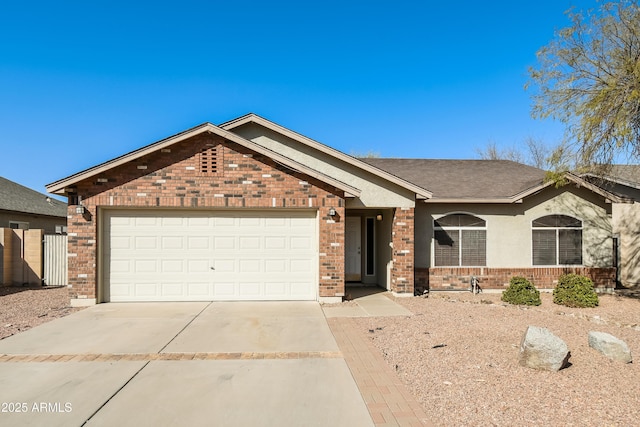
(55,260)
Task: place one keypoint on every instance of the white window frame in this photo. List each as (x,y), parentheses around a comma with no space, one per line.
(460,229)
(557,231)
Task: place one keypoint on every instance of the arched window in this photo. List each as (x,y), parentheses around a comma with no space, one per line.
(557,240)
(460,240)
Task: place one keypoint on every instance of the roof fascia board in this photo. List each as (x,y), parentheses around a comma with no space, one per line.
(470,200)
(59,186)
(594,188)
(421,193)
(614,180)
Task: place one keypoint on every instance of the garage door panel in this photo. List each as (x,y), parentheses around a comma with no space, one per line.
(146,289)
(147,222)
(249,222)
(171,290)
(249,289)
(275,242)
(198,266)
(171,221)
(250,266)
(143,266)
(198,222)
(275,222)
(276,289)
(121,242)
(249,243)
(173,265)
(301,242)
(172,243)
(145,242)
(224,290)
(300,288)
(199,289)
(275,265)
(224,266)
(211,255)
(303,266)
(198,242)
(221,243)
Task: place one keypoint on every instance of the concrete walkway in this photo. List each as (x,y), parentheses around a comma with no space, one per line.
(196,364)
(223,364)
(368,302)
(388,400)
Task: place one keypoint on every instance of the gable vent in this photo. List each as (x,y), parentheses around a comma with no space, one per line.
(209,160)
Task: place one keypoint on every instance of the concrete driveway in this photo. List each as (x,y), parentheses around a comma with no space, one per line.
(222,364)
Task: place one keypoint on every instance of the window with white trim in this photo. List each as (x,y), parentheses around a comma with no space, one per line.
(460,240)
(557,240)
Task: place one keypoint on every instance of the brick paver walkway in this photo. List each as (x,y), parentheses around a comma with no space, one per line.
(387,399)
(112,357)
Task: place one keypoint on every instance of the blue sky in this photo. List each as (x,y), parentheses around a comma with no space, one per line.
(82,82)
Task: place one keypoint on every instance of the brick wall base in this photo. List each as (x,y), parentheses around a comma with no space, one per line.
(459,278)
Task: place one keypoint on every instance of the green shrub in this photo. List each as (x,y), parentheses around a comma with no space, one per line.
(574,290)
(521,292)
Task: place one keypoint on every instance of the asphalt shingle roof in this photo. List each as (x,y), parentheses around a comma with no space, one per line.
(464,179)
(626,173)
(18,198)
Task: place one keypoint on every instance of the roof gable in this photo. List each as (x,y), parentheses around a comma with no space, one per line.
(18,198)
(421,191)
(60,186)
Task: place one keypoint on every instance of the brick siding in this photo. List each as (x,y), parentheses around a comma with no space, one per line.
(173,179)
(402,237)
(458,278)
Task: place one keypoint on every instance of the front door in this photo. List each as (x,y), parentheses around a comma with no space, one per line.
(353,257)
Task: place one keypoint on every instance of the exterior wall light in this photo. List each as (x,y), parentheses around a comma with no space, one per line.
(379,217)
(332,212)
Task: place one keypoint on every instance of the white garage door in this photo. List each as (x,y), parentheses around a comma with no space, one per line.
(210,255)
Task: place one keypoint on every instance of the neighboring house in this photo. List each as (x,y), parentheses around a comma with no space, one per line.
(624,180)
(250,210)
(24,208)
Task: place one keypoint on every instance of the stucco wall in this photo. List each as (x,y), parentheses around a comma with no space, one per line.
(376,192)
(509,226)
(626,224)
(46,223)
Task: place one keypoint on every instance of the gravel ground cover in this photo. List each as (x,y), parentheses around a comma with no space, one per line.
(23,307)
(459,356)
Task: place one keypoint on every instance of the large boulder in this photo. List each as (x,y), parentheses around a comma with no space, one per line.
(612,347)
(540,349)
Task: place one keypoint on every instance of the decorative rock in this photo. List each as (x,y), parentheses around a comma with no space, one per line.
(612,347)
(540,349)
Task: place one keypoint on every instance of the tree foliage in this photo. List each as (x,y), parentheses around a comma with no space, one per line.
(588,77)
(532,152)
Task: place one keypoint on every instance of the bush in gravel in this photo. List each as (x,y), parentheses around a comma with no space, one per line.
(574,290)
(521,292)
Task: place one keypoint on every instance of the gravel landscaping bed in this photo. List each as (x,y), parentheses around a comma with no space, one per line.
(458,355)
(23,307)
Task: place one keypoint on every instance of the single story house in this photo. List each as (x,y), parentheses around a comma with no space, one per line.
(24,208)
(250,210)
